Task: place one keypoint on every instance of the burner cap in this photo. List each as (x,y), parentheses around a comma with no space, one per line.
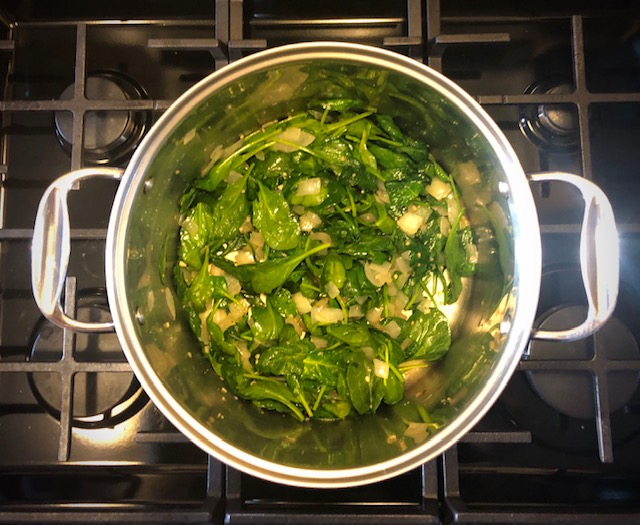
(569,391)
(100,399)
(553,127)
(109,136)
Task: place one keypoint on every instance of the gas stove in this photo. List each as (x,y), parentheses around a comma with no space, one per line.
(79,439)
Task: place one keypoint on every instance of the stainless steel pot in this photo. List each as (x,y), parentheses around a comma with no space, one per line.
(490,332)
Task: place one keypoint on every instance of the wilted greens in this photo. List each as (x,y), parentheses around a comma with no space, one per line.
(316,256)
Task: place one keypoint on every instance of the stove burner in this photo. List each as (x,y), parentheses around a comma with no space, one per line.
(101,399)
(552,127)
(109,136)
(571,392)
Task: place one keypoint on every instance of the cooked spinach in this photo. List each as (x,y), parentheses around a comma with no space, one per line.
(313,257)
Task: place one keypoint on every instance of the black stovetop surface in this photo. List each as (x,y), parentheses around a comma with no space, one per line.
(79,440)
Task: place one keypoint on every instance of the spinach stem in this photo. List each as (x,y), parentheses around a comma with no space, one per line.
(316,403)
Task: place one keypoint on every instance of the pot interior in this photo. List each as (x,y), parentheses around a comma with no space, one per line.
(489,332)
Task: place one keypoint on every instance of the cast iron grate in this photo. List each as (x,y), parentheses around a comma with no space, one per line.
(440,35)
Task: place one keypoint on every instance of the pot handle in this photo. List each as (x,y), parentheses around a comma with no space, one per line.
(51,246)
(599,257)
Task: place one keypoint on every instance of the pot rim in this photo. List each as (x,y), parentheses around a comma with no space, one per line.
(527,270)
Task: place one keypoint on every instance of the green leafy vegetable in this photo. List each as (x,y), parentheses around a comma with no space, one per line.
(313,260)
(272,216)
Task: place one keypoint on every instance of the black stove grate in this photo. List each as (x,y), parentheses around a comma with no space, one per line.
(516,64)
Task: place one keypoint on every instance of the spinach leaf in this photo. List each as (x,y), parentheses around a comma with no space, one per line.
(333,271)
(458,260)
(269,275)
(429,333)
(272,216)
(356,335)
(195,233)
(266,323)
(230,211)
(366,390)
(401,194)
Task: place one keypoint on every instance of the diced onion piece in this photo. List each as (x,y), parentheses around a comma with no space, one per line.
(240,257)
(245,354)
(303,305)
(297,324)
(368,352)
(399,303)
(438,189)
(309,187)
(382,196)
(215,271)
(392,329)
(417,431)
(170,303)
(368,218)
(237,311)
(292,139)
(378,274)
(410,223)
(256,240)
(468,173)
(373,316)
(332,290)
(221,318)
(445,226)
(319,342)
(309,221)
(233,176)
(355,312)
(361,299)
(323,237)
(246,225)
(381,368)
(453,208)
(324,314)
(204,331)
(190,135)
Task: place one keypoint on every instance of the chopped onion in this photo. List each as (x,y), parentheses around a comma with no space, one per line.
(355,312)
(373,316)
(243,256)
(381,368)
(233,176)
(319,342)
(221,318)
(378,274)
(368,352)
(297,324)
(324,314)
(323,237)
(410,223)
(233,285)
(332,290)
(246,225)
(215,271)
(368,218)
(170,303)
(445,226)
(190,135)
(237,311)
(309,221)
(417,431)
(468,173)
(256,240)
(392,329)
(438,189)
(309,187)
(453,208)
(292,139)
(303,305)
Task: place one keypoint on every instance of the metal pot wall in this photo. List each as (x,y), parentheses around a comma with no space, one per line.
(490,331)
